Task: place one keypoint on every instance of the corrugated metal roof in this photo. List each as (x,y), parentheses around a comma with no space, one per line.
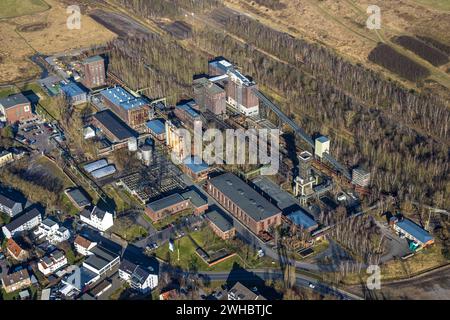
(156,126)
(95,165)
(103,172)
(416,231)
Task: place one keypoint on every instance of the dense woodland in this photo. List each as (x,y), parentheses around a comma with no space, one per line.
(167,8)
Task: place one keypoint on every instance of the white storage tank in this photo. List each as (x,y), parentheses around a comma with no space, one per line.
(132,144)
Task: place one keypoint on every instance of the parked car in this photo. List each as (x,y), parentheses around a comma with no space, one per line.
(312,285)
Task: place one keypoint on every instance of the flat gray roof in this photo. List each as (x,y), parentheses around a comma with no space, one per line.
(283,199)
(196,199)
(246,198)
(165,202)
(222,221)
(78,197)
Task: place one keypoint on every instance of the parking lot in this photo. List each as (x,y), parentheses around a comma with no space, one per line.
(37,135)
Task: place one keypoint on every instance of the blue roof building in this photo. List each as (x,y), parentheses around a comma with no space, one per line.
(122,98)
(302,219)
(74,93)
(413,232)
(196,167)
(157,128)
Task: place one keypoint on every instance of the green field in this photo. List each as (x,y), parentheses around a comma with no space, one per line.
(16,8)
(443,5)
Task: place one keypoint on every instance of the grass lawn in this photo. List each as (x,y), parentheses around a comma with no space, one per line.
(68,206)
(121,204)
(209,242)
(129,233)
(15,295)
(401,269)
(443,5)
(16,8)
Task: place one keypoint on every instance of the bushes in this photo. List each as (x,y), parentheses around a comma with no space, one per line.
(397,63)
(432,55)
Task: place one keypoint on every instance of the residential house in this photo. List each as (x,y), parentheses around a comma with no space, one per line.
(16,251)
(52,262)
(25,222)
(83,245)
(139,278)
(10,205)
(6,157)
(52,231)
(16,281)
(97,218)
(101,260)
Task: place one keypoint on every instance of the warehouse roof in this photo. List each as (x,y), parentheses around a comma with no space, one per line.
(416,231)
(223,222)
(283,199)
(157,126)
(187,107)
(114,125)
(122,98)
(165,202)
(302,219)
(72,89)
(250,201)
(13,100)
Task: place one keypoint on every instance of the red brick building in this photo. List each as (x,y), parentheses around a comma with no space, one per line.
(221,225)
(15,108)
(94,75)
(164,207)
(243,202)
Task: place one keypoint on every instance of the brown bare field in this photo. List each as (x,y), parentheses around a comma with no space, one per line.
(50,36)
(341,24)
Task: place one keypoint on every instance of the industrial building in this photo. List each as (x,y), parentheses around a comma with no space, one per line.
(196,168)
(15,108)
(133,110)
(209,96)
(161,208)
(157,129)
(304,181)
(303,220)
(186,113)
(114,128)
(321,146)
(239,88)
(93,69)
(243,202)
(176,141)
(360,177)
(74,93)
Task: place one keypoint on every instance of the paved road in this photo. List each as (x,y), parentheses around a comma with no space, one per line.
(301,281)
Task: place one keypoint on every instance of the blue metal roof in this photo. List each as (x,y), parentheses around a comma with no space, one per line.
(302,219)
(416,231)
(72,89)
(187,107)
(322,139)
(157,126)
(121,97)
(195,164)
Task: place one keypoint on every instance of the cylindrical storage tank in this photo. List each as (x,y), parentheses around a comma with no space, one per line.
(132,144)
(139,155)
(147,153)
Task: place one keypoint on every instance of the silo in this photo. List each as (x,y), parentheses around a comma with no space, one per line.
(132,144)
(147,154)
